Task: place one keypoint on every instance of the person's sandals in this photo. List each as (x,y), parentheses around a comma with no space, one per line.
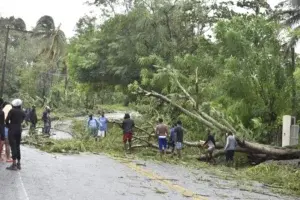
(12,167)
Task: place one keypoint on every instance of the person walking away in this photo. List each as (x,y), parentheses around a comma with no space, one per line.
(33,119)
(171,142)
(127,127)
(47,120)
(211,143)
(93,126)
(230,147)
(103,125)
(162,132)
(178,138)
(14,122)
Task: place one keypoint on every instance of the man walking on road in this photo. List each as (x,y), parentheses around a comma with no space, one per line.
(162,132)
(14,122)
(230,147)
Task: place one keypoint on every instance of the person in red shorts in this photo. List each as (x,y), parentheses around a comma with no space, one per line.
(127,127)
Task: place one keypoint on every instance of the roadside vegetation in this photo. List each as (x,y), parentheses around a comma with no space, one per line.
(282,179)
(208,65)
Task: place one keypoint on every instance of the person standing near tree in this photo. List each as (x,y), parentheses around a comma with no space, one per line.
(211,143)
(47,120)
(33,118)
(171,142)
(14,122)
(162,132)
(178,138)
(103,125)
(230,147)
(127,126)
(93,126)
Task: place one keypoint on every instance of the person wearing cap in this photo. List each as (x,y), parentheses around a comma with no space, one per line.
(14,122)
(47,120)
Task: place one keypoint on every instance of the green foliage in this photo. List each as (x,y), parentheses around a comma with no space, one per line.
(284,178)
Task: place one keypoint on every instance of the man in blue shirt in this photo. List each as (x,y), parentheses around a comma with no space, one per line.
(103,125)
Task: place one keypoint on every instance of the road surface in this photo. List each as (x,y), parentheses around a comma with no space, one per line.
(95,177)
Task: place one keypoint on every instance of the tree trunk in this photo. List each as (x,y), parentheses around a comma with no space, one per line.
(277,153)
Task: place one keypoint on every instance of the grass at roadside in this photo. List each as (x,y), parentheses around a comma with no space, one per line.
(278,178)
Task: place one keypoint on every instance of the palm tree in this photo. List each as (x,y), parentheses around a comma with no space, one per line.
(52,38)
(52,50)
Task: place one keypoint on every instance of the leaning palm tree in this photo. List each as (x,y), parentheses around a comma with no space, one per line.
(53,39)
(51,51)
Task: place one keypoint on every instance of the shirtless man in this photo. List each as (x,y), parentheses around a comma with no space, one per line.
(162,132)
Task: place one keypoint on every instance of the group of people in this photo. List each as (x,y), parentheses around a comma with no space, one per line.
(175,138)
(229,149)
(176,141)
(11,119)
(97,127)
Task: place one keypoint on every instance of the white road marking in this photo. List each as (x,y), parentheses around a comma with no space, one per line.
(23,187)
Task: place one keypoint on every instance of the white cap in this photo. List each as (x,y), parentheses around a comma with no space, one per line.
(16,102)
(47,107)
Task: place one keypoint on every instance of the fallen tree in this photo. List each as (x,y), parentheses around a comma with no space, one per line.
(249,147)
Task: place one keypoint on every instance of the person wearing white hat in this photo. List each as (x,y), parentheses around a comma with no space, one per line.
(14,122)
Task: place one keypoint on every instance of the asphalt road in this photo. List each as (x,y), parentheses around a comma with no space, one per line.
(95,177)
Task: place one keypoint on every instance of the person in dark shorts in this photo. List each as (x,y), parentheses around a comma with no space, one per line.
(14,122)
(47,120)
(33,118)
(230,147)
(162,132)
(171,142)
(178,138)
(127,126)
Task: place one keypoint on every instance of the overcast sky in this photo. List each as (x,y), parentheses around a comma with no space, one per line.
(66,12)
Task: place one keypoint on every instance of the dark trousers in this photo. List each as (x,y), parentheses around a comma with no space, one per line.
(32,125)
(229,155)
(14,137)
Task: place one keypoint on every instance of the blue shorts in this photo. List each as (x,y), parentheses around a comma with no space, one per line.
(162,143)
(6,132)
